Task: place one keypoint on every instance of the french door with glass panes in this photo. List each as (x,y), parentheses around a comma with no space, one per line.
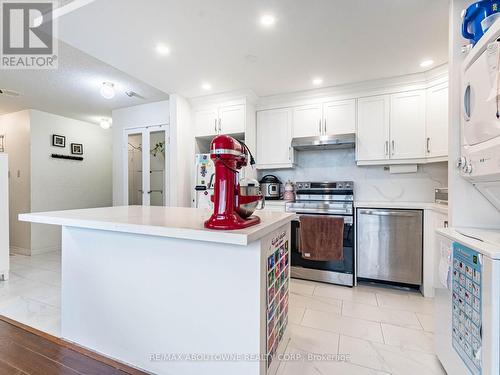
(146,153)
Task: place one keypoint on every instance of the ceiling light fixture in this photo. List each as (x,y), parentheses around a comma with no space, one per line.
(105,123)
(162,49)
(317,81)
(427,63)
(206,86)
(267,20)
(107,90)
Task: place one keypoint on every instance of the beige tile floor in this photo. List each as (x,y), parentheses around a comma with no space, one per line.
(367,330)
(376,330)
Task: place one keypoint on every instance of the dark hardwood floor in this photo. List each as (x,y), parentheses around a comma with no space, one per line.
(24,350)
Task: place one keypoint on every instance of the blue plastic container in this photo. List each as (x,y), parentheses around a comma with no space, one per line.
(478,18)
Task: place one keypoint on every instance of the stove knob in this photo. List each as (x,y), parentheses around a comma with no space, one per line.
(299,186)
(340,186)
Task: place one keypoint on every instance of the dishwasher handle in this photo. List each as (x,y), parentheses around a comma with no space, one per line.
(388,213)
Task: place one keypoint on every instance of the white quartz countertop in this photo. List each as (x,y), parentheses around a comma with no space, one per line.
(174,222)
(404,205)
(484,241)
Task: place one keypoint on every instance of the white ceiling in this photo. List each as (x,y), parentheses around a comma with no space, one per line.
(221,41)
(73,89)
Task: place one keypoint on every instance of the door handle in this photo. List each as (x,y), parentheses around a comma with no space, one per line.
(388,213)
(428,145)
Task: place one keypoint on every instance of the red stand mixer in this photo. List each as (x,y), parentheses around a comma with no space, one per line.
(232,209)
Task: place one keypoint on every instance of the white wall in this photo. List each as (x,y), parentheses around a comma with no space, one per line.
(182,150)
(58,184)
(143,115)
(371,183)
(16,127)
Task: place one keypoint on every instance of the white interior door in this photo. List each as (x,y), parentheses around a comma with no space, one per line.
(146,156)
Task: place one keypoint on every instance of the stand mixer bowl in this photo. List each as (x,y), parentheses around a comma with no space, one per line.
(250,196)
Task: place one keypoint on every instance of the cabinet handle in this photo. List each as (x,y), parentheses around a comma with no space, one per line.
(319,128)
(386,148)
(428,145)
(325,126)
(220,126)
(393,147)
(290,153)
(215,125)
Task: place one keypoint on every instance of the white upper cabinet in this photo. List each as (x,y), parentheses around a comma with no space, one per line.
(232,119)
(274,136)
(407,125)
(307,120)
(339,117)
(372,140)
(206,122)
(229,119)
(437,121)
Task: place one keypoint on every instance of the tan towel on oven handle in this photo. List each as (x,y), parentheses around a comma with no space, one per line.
(321,238)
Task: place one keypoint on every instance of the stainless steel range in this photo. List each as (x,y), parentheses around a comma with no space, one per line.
(324,198)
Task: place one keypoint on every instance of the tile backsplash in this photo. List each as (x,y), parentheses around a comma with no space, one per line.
(371,183)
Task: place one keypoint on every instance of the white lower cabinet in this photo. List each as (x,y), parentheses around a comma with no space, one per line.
(274,137)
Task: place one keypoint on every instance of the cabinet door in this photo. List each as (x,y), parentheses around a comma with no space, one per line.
(407,129)
(307,120)
(372,135)
(339,117)
(437,121)
(232,119)
(274,135)
(205,122)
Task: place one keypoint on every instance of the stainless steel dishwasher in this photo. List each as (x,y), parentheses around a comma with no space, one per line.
(390,245)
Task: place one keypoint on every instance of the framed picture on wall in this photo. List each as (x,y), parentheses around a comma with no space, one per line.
(58,140)
(77,149)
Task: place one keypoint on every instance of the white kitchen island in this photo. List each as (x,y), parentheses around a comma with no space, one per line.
(151,287)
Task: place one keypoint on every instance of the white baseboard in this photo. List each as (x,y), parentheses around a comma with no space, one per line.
(20,250)
(43,250)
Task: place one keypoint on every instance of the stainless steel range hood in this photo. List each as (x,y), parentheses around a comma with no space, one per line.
(325,142)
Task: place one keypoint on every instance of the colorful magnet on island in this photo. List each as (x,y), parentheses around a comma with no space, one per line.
(270,262)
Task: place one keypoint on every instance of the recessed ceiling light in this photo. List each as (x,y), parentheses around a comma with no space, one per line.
(162,49)
(206,86)
(105,123)
(427,63)
(267,20)
(317,81)
(107,90)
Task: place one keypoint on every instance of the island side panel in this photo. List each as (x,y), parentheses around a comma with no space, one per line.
(276,268)
(141,299)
